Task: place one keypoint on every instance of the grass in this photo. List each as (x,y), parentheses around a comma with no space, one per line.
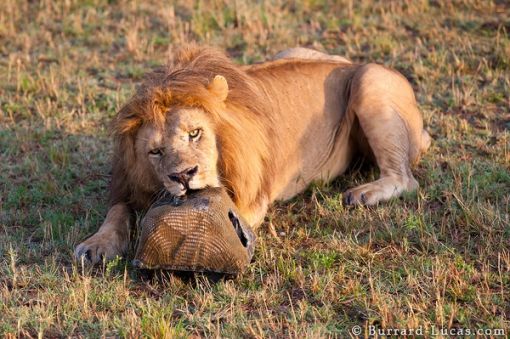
(440,257)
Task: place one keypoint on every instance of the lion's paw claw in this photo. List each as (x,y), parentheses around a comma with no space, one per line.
(99,247)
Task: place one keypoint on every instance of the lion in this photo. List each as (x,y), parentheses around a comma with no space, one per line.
(263,131)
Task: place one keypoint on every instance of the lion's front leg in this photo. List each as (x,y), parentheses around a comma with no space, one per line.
(254,215)
(110,240)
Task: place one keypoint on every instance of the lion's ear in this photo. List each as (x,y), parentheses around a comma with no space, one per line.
(219,87)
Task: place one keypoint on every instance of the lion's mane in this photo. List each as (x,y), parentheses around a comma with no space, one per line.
(242,123)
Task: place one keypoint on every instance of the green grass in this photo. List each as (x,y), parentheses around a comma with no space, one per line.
(439,257)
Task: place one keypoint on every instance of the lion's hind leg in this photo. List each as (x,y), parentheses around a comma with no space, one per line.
(391,151)
(384,104)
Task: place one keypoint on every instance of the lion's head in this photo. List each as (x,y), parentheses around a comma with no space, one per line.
(183,152)
(198,122)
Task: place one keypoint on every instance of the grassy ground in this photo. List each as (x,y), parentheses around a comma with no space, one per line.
(440,257)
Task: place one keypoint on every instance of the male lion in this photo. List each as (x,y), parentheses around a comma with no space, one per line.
(264,131)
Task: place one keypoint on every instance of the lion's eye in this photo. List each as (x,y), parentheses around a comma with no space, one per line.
(156,152)
(195,134)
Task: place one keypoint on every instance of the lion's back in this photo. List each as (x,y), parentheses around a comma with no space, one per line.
(308,100)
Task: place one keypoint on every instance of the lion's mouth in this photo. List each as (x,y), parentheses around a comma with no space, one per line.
(181,192)
(181,189)
(177,190)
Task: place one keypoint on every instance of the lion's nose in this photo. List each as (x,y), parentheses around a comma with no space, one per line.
(185,176)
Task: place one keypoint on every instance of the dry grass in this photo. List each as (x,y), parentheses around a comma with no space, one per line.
(439,257)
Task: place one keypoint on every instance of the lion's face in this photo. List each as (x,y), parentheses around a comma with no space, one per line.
(183,155)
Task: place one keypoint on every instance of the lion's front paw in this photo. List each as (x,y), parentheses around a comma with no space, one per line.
(101,245)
